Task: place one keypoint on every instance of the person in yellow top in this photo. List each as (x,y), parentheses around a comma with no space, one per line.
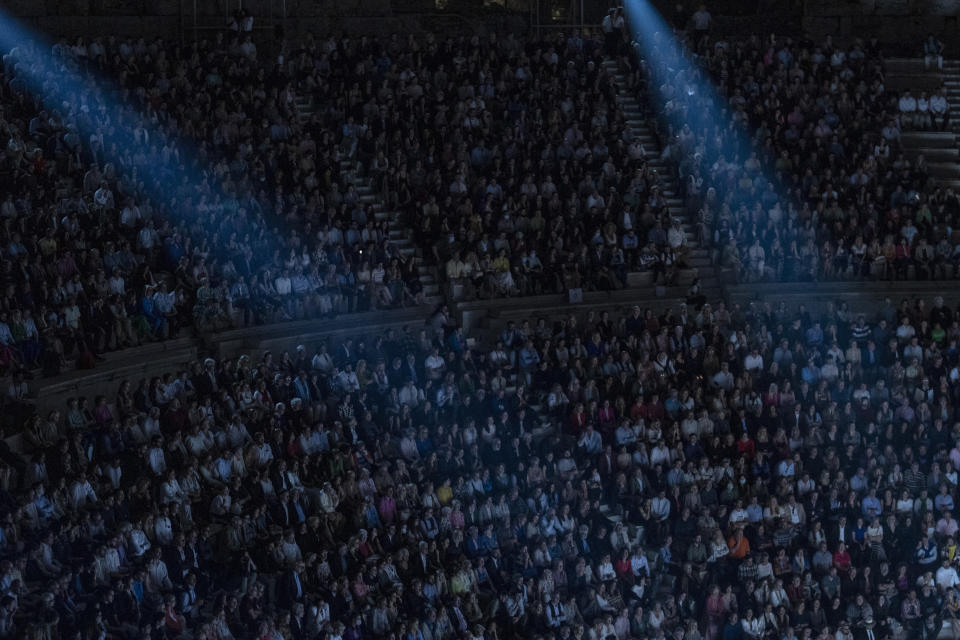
(739,545)
(445,492)
(950,549)
(504,277)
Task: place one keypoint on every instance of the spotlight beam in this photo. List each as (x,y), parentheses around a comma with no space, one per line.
(113,124)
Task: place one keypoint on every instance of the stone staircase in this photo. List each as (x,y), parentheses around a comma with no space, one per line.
(951,81)
(939,148)
(400,236)
(699,263)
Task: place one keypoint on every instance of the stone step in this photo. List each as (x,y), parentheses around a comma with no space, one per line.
(903,65)
(944,169)
(933,154)
(915,82)
(928,139)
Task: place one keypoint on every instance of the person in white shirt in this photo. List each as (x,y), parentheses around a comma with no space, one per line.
(148,237)
(723,379)
(260,452)
(322,362)
(284,288)
(116,284)
(556,616)
(347,379)
(908,110)
(738,517)
(290,549)
(591,441)
(660,507)
(677,239)
(319,617)
(410,395)
(753,361)
(932,52)
(163,527)
(248,49)
(947,576)
(754,628)
(158,578)
(222,503)
(939,109)
(170,490)
(82,493)
(130,217)
(434,365)
(156,459)
(701,20)
(718,548)
(165,301)
(923,119)
(408,447)
(103,197)
(137,540)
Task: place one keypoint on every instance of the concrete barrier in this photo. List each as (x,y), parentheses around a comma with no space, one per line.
(862,297)
(159,358)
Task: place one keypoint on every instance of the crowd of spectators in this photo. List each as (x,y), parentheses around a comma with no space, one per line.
(789,155)
(507,158)
(708,472)
(130,213)
(529,181)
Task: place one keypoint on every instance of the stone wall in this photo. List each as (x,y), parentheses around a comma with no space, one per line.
(861,297)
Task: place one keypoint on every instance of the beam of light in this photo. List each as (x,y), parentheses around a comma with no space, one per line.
(107,123)
(701,126)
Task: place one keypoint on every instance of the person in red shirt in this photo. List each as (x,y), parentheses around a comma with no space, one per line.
(841,559)
(903,258)
(578,419)
(745,446)
(654,409)
(173,619)
(637,410)
(623,568)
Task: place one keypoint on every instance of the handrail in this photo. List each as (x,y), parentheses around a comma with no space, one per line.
(576,25)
